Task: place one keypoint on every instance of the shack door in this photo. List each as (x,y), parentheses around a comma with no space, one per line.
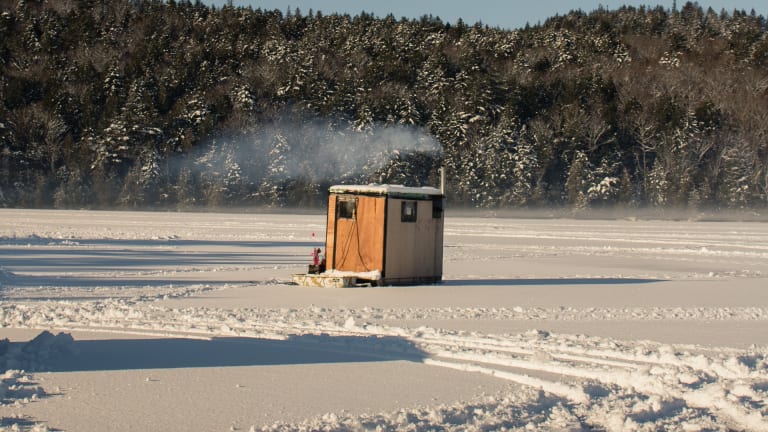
(355,233)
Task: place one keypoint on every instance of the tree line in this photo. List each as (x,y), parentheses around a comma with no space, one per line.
(176,104)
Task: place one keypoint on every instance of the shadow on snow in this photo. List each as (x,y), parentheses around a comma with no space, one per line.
(547,281)
(122,257)
(133,354)
(68,266)
(144,243)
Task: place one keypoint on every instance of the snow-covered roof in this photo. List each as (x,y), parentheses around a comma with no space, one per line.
(387,189)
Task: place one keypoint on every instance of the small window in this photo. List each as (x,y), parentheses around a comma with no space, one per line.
(408,211)
(346,209)
(437,208)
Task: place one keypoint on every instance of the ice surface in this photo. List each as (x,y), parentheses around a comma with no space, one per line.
(181,321)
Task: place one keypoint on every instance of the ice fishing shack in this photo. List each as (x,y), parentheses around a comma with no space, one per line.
(383,235)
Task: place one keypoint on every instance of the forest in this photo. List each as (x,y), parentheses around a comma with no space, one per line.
(152,104)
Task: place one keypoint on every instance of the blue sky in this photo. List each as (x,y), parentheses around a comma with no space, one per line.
(502,13)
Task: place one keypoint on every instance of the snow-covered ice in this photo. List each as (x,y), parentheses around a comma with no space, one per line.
(189,321)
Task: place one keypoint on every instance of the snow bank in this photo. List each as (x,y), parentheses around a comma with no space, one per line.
(35,354)
(17,386)
(373,275)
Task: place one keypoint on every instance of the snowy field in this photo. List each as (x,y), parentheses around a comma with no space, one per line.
(188,321)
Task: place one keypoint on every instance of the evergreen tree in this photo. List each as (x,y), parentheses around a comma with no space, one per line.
(632,106)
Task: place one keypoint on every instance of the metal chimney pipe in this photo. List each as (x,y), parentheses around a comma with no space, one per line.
(442,180)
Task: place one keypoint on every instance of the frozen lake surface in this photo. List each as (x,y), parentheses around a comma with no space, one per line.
(188,321)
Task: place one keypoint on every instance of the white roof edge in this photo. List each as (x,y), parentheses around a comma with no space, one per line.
(385,189)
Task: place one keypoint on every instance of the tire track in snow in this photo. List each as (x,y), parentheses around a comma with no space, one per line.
(669,383)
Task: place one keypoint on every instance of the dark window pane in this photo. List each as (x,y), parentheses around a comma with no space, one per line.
(437,208)
(346,209)
(408,211)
